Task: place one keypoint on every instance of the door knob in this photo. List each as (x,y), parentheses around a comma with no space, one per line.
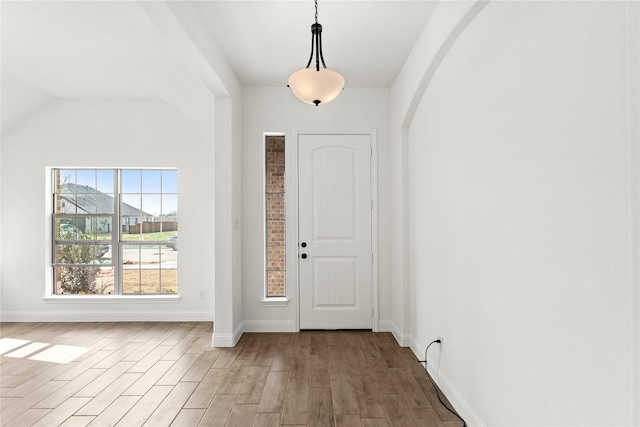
(304,256)
(303,244)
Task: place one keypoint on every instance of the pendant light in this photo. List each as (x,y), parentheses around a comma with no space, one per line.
(316,85)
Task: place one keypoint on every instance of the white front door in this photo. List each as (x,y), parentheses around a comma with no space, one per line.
(335,231)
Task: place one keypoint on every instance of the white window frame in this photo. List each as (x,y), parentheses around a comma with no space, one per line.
(116,244)
(274,301)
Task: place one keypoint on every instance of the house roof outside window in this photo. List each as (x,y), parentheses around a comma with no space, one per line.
(89,200)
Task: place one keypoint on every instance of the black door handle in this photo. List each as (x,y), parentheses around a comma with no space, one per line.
(303,244)
(303,256)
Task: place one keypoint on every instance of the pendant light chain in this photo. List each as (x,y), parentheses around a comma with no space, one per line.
(316,1)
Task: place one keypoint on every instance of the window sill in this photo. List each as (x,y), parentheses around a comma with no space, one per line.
(275,302)
(109,299)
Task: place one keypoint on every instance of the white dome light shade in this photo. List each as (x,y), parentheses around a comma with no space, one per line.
(316,87)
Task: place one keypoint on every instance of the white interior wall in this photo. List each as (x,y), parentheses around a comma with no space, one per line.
(103,133)
(521,244)
(19,100)
(448,21)
(277,110)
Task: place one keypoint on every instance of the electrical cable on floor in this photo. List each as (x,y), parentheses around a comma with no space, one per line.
(464,423)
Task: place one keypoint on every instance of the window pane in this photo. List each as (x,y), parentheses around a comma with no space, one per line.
(275,233)
(275,178)
(65,176)
(275,279)
(169,283)
(64,205)
(275,222)
(85,228)
(86,181)
(151,181)
(86,202)
(130,181)
(170,206)
(275,206)
(131,229)
(84,280)
(66,228)
(131,204)
(82,254)
(105,203)
(105,181)
(150,205)
(151,230)
(103,253)
(130,269)
(168,270)
(104,226)
(169,181)
(149,269)
(275,258)
(150,281)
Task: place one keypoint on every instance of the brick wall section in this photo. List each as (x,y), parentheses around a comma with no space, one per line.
(275,210)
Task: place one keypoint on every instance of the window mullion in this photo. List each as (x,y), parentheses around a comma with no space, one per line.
(116,249)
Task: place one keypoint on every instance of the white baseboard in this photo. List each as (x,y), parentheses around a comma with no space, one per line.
(452,394)
(385,326)
(227,340)
(448,389)
(107,316)
(270,326)
(403,339)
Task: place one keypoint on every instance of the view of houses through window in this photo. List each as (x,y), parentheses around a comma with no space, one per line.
(275,216)
(115,231)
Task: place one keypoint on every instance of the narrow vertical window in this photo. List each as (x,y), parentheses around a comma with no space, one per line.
(275,216)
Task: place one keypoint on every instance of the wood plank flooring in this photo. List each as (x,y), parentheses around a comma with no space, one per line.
(167,374)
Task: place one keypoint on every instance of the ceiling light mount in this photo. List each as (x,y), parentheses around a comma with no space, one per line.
(316,85)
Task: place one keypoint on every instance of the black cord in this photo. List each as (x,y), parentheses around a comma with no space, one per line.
(464,423)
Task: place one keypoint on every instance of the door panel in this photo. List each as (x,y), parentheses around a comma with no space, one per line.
(335,227)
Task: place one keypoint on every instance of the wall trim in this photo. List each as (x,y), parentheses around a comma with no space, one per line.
(633,135)
(404,339)
(385,326)
(107,316)
(270,326)
(454,397)
(452,394)
(227,340)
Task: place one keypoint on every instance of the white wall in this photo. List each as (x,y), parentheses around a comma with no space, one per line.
(448,21)
(277,110)
(19,100)
(522,254)
(103,133)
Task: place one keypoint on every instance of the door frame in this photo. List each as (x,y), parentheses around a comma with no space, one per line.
(292,188)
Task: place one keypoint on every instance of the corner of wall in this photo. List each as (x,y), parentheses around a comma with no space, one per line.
(633,100)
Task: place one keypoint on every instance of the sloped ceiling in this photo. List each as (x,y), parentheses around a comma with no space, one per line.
(89,49)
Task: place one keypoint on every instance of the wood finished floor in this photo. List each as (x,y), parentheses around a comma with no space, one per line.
(167,374)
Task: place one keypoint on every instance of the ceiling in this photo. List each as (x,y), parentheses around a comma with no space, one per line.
(79,49)
(265,41)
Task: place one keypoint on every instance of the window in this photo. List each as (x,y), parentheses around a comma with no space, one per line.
(275,222)
(136,256)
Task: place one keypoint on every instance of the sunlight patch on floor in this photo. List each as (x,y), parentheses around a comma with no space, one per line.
(54,353)
(27,350)
(60,354)
(8,344)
